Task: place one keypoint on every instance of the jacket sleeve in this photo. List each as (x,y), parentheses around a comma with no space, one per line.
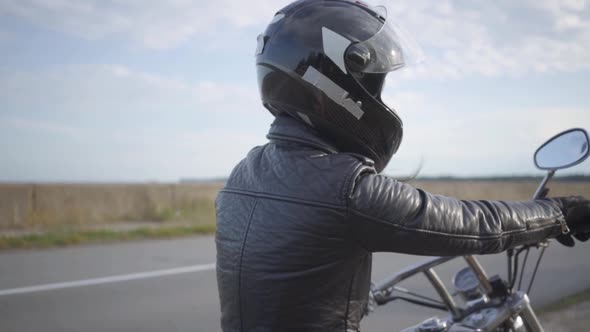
(388,215)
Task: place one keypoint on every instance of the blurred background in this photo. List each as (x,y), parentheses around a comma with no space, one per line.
(120,120)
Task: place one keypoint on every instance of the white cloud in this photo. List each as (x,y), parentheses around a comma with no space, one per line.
(5,36)
(558,7)
(495,38)
(476,38)
(405,102)
(480,143)
(68,153)
(40,126)
(488,38)
(154,24)
(472,138)
(145,126)
(115,88)
(110,122)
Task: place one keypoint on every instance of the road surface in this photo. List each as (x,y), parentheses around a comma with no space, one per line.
(170,286)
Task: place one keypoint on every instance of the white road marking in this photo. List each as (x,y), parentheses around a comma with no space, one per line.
(107,280)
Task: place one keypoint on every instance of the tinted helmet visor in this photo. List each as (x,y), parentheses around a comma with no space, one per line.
(389,49)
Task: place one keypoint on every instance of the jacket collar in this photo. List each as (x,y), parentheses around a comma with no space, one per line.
(287,129)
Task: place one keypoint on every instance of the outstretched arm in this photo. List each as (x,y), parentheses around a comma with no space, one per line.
(388,215)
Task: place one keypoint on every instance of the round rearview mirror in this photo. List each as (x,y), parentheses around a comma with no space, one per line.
(564,150)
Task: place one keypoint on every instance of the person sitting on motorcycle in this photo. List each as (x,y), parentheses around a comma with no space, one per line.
(299,217)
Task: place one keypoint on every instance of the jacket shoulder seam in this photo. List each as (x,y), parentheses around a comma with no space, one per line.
(351,183)
(283,198)
(347,181)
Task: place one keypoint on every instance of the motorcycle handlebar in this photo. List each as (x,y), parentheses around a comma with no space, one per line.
(382,290)
(395,279)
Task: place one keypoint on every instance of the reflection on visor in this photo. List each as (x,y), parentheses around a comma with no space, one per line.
(390,49)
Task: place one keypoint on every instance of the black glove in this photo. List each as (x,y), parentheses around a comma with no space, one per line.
(568,240)
(576,210)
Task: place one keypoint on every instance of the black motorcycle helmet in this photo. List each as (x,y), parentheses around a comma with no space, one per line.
(325,62)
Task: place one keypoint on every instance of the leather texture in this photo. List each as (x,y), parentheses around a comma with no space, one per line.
(297,223)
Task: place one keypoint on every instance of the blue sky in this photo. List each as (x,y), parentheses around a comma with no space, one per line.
(141,90)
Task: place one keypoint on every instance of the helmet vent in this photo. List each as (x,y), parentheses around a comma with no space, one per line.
(261,40)
(278,17)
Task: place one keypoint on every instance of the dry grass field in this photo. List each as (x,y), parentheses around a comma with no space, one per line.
(501,190)
(47,206)
(51,215)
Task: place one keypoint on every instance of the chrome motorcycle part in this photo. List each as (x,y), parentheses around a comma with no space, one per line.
(395,279)
(467,284)
(434,325)
(480,273)
(518,325)
(478,302)
(515,310)
(530,318)
(443,292)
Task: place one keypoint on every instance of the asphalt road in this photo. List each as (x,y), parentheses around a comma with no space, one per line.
(116,288)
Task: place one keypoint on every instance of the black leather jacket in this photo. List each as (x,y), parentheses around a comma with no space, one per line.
(297,223)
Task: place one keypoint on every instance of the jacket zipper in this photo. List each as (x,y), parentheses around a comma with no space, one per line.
(541,223)
(564,227)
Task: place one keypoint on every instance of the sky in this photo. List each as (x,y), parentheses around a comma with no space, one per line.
(149,90)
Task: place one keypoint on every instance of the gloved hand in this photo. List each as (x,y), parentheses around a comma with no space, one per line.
(576,210)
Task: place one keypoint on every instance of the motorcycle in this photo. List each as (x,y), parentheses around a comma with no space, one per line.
(481,303)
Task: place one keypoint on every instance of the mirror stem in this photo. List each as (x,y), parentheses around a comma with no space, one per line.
(541,188)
